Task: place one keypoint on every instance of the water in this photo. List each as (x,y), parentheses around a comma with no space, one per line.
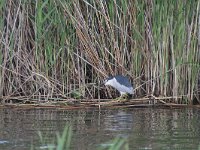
(144,128)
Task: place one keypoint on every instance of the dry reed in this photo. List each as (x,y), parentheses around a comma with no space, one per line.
(58,48)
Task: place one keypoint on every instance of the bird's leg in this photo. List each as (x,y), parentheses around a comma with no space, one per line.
(123,97)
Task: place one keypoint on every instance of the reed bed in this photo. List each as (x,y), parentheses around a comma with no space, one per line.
(63,48)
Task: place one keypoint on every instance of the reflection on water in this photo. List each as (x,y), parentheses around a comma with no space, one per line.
(144,128)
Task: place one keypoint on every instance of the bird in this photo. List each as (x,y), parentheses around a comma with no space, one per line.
(121,83)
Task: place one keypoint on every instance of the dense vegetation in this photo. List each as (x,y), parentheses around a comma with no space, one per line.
(53,48)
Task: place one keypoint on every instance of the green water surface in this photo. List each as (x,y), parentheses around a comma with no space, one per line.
(143,128)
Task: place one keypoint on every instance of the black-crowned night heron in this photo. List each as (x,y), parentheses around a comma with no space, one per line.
(121,83)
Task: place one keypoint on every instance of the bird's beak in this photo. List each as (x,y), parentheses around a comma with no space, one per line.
(103,83)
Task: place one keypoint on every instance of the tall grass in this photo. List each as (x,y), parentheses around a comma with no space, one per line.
(54,48)
(63,142)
